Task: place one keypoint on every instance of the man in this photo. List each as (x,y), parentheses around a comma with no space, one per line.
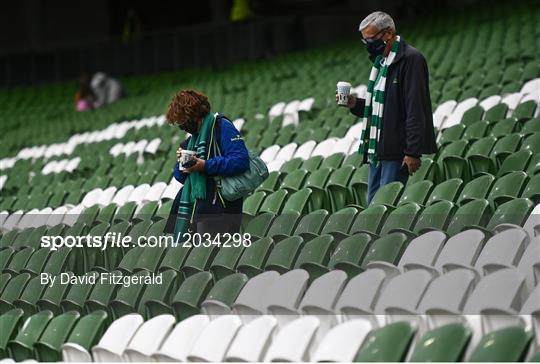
(199,207)
(396,113)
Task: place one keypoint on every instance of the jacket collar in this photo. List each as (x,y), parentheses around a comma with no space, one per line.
(401,50)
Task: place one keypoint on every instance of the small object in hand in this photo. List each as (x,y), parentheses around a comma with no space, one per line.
(343,90)
(189,163)
(186,156)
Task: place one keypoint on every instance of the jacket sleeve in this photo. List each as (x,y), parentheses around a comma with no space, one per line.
(234,158)
(358,108)
(415,88)
(177,172)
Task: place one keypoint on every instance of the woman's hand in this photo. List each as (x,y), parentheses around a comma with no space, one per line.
(178,154)
(197,167)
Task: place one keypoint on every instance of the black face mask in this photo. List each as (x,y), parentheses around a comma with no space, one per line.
(190,127)
(375,48)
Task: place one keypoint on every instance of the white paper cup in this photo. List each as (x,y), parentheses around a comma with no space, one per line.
(186,156)
(343,90)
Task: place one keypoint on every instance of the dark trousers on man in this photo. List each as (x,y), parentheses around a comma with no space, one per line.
(383,173)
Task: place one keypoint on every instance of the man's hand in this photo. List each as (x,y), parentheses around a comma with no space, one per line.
(351,101)
(197,167)
(412,164)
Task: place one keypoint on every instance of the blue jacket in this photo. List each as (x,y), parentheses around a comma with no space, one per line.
(234,159)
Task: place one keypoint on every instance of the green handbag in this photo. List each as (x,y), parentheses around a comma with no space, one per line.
(241,185)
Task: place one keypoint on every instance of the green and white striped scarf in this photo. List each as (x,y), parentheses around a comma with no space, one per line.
(374,106)
(194,187)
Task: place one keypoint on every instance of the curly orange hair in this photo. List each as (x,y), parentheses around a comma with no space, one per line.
(187,105)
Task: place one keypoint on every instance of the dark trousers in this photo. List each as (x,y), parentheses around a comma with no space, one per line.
(385,172)
(219,224)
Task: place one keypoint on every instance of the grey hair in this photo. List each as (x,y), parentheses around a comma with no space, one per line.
(379,19)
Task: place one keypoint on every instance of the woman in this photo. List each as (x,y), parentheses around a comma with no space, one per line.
(199,207)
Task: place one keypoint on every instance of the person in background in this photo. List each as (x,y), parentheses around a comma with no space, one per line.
(199,207)
(106,89)
(393,142)
(84,98)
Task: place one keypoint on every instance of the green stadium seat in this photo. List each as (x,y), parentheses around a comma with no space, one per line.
(147,211)
(22,346)
(517,161)
(446,191)
(478,188)
(388,195)
(532,143)
(390,343)
(259,225)
(163,210)
(370,220)
(125,212)
(317,182)
(504,345)
(27,301)
(315,255)
(417,193)
(284,254)
(312,164)
(311,224)
(402,218)
(532,189)
(287,167)
(525,110)
(534,165)
(226,260)
(255,256)
(294,180)
(359,185)
(472,214)
(389,249)
(274,202)
(435,217)
(101,295)
(48,347)
(10,324)
(53,295)
(283,225)
(447,343)
(349,253)
(223,294)
(84,336)
(299,202)
(334,161)
(187,299)
(504,127)
(339,223)
(507,187)
(271,183)
(514,212)
(451,134)
(354,159)
(338,190)
(88,216)
(476,130)
(199,259)
(497,112)
(12,291)
(5,256)
(156,297)
(76,296)
(127,298)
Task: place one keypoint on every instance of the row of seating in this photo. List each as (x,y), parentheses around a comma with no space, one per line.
(327,319)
